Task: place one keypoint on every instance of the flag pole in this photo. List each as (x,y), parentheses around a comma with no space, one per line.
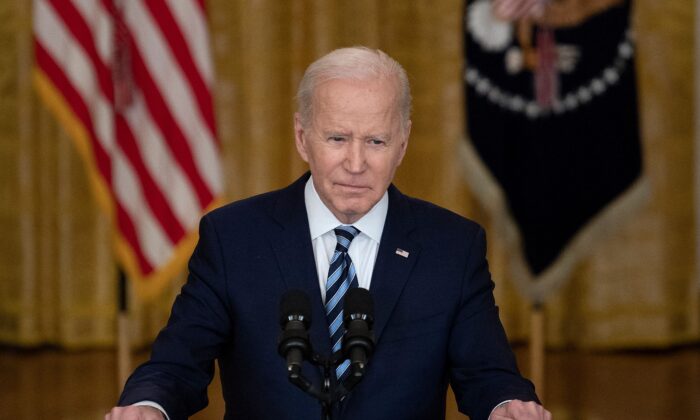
(696,286)
(697,141)
(537,348)
(123,333)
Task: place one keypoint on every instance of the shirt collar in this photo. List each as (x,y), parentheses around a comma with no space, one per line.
(322,220)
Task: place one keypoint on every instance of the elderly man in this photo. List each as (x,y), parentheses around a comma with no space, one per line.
(435,320)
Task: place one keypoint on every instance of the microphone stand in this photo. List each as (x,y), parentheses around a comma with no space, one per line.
(327,396)
(358,345)
(327,401)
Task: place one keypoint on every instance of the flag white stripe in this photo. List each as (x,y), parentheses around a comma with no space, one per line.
(100,23)
(155,245)
(193,25)
(70,56)
(159,61)
(161,164)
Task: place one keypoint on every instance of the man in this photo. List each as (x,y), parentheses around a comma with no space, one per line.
(435,317)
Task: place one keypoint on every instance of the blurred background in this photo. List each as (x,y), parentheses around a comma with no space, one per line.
(621,332)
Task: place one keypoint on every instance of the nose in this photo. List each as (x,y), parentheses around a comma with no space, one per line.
(355,160)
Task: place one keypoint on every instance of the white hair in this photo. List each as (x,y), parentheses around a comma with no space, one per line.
(355,63)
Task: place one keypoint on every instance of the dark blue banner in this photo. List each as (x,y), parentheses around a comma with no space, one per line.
(551,106)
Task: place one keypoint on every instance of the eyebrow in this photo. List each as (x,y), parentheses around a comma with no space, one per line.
(335,133)
(339,133)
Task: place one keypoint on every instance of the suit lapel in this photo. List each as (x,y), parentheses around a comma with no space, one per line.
(292,246)
(398,252)
(391,269)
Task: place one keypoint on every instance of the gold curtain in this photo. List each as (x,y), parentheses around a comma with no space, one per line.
(57,274)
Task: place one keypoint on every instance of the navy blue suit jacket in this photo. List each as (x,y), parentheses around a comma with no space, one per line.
(435,318)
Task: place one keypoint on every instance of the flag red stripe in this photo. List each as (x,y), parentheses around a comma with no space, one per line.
(162,15)
(108,6)
(128,232)
(150,191)
(169,127)
(75,101)
(83,35)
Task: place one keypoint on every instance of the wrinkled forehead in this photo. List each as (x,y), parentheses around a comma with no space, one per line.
(372,95)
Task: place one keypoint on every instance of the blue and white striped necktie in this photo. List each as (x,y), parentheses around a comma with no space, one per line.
(341,277)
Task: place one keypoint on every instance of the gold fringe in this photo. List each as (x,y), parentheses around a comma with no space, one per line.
(538,288)
(147,287)
(151,286)
(77,132)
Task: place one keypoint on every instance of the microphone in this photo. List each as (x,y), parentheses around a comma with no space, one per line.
(358,342)
(295,317)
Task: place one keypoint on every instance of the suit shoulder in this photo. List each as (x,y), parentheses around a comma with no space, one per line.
(431,216)
(261,206)
(245,210)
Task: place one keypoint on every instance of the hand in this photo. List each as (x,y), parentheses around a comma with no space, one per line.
(134,412)
(521,410)
(511,10)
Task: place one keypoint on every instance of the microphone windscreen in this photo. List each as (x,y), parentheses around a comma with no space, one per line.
(295,303)
(358,301)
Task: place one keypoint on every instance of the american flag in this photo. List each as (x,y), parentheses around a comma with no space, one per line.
(131,83)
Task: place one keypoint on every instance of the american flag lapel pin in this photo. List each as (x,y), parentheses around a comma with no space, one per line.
(401,252)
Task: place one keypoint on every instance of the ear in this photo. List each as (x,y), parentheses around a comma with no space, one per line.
(300,137)
(404,141)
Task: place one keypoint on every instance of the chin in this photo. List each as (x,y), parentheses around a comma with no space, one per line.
(353,213)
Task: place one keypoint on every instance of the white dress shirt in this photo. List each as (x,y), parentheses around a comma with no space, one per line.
(363,249)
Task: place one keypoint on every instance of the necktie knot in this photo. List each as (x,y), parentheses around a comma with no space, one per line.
(344,235)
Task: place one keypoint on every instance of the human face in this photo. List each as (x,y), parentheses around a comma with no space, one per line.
(353,144)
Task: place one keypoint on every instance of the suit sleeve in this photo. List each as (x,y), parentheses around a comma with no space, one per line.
(182,359)
(483,371)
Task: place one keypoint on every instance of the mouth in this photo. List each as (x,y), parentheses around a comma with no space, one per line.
(352,188)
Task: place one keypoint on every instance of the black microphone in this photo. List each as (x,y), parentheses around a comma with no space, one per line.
(358,342)
(295,317)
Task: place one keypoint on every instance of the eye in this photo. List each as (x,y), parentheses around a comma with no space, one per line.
(336,139)
(376,141)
